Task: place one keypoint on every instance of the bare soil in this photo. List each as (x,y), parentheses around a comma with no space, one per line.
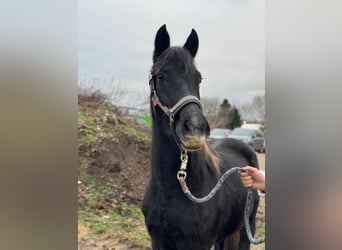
(121,158)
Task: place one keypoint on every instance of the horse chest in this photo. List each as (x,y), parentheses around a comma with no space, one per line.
(175,217)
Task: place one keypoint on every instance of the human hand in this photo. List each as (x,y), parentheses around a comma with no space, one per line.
(252,177)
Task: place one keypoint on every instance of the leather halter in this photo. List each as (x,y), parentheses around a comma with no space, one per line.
(171,112)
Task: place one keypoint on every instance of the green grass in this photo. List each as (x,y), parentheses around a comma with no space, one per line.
(98,192)
(96,130)
(99,224)
(132,132)
(126,221)
(260,231)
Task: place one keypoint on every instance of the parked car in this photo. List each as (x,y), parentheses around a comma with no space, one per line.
(252,137)
(219,133)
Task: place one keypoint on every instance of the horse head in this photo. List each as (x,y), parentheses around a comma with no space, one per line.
(175,90)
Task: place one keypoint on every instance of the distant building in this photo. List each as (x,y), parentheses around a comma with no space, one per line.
(257,126)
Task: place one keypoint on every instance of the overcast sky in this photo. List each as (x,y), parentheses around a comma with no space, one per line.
(116,40)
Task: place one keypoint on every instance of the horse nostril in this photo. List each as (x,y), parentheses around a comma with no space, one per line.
(193,127)
(188,125)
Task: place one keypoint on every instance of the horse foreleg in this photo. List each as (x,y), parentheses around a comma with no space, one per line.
(229,243)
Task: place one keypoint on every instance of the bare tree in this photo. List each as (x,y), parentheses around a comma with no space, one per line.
(115,90)
(144,98)
(259,106)
(210,111)
(255,110)
(110,89)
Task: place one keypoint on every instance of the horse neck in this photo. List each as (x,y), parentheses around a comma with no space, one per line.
(166,160)
(165,155)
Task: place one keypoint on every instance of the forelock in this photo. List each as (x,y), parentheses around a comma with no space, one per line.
(174,53)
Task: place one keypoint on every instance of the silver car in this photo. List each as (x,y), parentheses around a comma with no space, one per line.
(254,138)
(219,133)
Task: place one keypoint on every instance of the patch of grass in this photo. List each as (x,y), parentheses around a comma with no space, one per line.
(131,210)
(99,224)
(96,129)
(91,121)
(88,120)
(86,132)
(98,192)
(127,222)
(132,132)
(95,186)
(260,231)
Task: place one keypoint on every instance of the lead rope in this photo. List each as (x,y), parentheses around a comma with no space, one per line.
(181,176)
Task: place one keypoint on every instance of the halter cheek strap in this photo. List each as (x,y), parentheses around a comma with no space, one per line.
(171,112)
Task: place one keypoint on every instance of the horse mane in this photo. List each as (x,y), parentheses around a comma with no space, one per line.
(184,58)
(212,159)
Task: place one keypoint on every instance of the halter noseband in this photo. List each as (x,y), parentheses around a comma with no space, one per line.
(171,112)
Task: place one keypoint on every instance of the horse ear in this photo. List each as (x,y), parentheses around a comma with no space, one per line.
(161,42)
(191,43)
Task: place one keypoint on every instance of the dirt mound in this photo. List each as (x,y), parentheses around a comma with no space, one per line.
(114,157)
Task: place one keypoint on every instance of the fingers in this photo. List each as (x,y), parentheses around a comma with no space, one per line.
(243,174)
(247,183)
(249,169)
(246,179)
(246,176)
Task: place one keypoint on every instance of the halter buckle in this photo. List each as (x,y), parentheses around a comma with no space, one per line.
(172,117)
(181,174)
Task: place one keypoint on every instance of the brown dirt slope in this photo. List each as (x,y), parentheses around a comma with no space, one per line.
(114,164)
(112,149)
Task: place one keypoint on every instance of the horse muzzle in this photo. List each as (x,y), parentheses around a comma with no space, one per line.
(193,143)
(192,129)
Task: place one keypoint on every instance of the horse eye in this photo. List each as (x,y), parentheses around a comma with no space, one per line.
(160,76)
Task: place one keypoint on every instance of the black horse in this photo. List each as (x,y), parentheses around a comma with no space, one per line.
(173,221)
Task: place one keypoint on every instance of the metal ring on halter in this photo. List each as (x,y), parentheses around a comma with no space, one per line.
(184,156)
(181,174)
(172,118)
